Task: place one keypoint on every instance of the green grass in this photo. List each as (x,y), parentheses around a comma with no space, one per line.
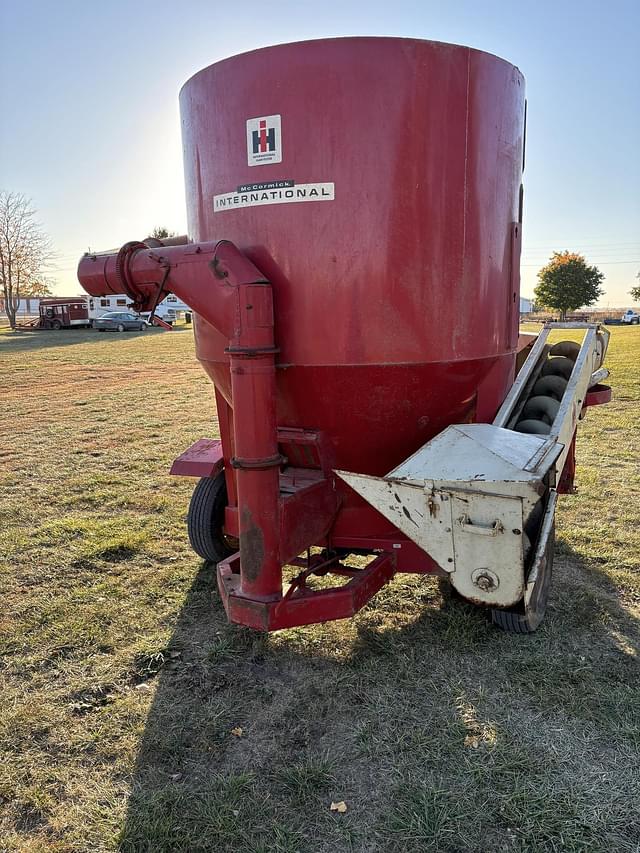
(122,681)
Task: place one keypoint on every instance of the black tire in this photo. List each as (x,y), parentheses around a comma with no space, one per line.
(525,620)
(143,328)
(120,328)
(56,325)
(205,520)
(102,330)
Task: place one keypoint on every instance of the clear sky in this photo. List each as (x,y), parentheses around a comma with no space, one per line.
(90,129)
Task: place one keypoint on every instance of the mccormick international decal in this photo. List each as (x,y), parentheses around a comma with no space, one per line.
(273,192)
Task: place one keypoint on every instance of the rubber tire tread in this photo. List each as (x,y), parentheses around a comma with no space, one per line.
(513,623)
(206,518)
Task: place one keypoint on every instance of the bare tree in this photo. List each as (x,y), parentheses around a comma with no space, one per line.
(24,251)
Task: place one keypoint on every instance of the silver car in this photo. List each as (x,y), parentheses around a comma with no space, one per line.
(120,321)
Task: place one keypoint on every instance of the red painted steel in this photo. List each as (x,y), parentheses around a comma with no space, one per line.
(567,476)
(158,321)
(303,605)
(396,299)
(598,395)
(203,459)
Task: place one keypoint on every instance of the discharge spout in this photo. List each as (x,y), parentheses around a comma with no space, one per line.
(224,288)
(214,279)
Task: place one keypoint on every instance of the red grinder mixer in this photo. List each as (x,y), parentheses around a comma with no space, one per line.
(354,215)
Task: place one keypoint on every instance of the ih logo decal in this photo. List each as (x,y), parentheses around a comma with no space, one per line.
(264,141)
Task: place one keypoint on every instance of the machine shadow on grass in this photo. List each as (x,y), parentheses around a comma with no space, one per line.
(424,726)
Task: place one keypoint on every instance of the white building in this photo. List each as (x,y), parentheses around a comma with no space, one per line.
(526,305)
(26,308)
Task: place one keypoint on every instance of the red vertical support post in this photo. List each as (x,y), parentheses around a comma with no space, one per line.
(257,460)
(257,463)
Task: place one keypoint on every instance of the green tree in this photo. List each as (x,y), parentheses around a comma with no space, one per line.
(160,233)
(635,291)
(567,282)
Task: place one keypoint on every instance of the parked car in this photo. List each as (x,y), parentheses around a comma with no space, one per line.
(120,321)
(631,317)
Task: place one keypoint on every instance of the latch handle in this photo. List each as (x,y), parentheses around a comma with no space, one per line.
(482,529)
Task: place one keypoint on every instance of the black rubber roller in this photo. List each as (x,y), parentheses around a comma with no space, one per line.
(550,386)
(560,365)
(541,409)
(570,349)
(534,427)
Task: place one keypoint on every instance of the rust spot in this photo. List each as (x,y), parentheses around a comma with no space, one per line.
(434,506)
(217,269)
(251,546)
(408,514)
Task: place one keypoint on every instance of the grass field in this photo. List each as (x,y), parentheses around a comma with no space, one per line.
(122,682)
